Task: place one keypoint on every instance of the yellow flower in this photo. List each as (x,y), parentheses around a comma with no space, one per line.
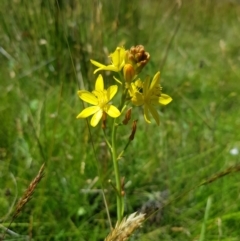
(149,94)
(100,99)
(117,60)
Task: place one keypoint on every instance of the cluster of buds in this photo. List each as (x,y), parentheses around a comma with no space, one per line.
(136,58)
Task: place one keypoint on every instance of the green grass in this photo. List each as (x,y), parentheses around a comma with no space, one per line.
(45,52)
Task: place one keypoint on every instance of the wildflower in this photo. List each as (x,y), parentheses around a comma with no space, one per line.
(117,60)
(100,99)
(149,94)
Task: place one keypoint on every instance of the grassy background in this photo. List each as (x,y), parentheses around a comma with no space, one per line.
(45,49)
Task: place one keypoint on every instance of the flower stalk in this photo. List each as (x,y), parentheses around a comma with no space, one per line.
(120,206)
(134,92)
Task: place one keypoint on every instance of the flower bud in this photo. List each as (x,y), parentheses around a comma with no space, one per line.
(127,116)
(137,57)
(128,72)
(134,129)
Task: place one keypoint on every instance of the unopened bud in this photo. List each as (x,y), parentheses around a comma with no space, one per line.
(128,72)
(134,129)
(138,57)
(127,116)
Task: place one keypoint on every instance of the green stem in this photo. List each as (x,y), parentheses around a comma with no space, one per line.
(124,92)
(120,203)
(106,140)
(125,148)
(120,207)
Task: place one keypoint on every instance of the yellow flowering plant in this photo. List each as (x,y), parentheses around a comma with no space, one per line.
(134,92)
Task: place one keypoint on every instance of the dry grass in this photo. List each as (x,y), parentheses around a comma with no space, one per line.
(29,192)
(25,199)
(126,227)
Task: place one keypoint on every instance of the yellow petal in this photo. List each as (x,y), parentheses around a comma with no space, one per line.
(112,111)
(111,91)
(137,99)
(146,85)
(103,67)
(155,80)
(109,68)
(88,97)
(154,113)
(97,63)
(96,118)
(99,85)
(88,111)
(146,114)
(131,89)
(164,99)
(118,58)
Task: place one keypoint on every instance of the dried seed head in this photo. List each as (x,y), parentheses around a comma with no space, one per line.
(126,227)
(29,192)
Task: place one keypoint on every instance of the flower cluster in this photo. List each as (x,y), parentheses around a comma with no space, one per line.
(147,93)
